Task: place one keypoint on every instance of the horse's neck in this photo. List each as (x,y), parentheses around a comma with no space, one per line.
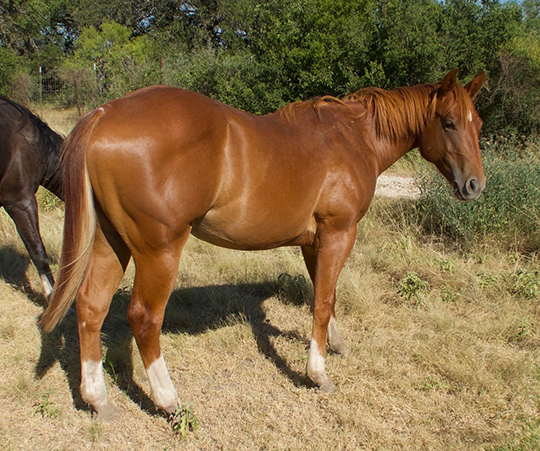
(388,153)
(53,182)
(394,120)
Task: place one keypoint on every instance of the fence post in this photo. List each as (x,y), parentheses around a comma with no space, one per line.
(41,90)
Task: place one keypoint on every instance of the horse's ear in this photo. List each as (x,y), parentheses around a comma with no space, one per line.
(473,87)
(447,84)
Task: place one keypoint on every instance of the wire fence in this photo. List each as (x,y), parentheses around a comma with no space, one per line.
(45,89)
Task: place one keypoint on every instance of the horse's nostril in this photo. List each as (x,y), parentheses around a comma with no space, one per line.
(473,185)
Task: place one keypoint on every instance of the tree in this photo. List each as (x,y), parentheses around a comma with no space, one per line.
(409,46)
(120,62)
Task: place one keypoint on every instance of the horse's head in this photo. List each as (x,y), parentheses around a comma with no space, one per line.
(450,138)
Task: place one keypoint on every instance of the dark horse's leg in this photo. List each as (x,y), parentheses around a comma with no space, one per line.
(24,213)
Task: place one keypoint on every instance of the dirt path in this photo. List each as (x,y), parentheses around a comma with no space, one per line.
(391,185)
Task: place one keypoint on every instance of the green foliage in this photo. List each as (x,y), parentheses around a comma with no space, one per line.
(259,56)
(10,67)
(508,210)
(527,284)
(183,421)
(515,96)
(413,288)
(408,44)
(46,408)
(110,62)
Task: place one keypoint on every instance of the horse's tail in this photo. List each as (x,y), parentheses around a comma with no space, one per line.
(79,221)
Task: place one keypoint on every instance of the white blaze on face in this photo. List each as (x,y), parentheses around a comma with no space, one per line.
(163,391)
(93,388)
(470,116)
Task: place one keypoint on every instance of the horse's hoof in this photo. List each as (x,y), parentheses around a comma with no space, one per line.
(328,387)
(107,414)
(342,349)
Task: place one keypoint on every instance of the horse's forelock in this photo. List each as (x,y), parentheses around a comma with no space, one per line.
(464,103)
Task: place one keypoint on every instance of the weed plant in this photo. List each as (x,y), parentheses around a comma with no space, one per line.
(47,200)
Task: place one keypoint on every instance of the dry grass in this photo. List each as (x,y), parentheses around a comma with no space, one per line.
(454,367)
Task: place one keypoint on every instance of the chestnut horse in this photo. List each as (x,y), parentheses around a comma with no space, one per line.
(144,171)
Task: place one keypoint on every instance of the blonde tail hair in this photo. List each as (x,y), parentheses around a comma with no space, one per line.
(79,222)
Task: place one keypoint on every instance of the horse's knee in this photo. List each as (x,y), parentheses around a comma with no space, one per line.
(146,327)
(136,312)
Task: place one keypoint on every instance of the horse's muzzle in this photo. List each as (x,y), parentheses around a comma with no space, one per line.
(470,190)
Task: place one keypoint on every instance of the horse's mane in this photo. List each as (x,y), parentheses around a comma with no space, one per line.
(396,113)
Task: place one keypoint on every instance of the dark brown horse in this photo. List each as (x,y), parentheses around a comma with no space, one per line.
(29,157)
(145,171)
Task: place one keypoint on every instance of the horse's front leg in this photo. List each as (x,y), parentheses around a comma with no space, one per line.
(328,257)
(335,342)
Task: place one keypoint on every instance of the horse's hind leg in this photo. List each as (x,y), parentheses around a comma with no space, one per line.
(25,215)
(154,281)
(107,265)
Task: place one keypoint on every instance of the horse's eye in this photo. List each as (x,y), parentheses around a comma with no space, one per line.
(448,124)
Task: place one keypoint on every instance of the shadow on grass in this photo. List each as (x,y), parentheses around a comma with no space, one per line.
(13,267)
(190,311)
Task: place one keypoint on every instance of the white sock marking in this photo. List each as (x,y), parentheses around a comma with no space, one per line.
(47,287)
(333,332)
(163,391)
(315,362)
(93,388)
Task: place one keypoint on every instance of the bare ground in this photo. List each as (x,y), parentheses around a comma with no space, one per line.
(395,186)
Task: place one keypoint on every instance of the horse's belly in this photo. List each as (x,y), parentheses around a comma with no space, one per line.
(254,235)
